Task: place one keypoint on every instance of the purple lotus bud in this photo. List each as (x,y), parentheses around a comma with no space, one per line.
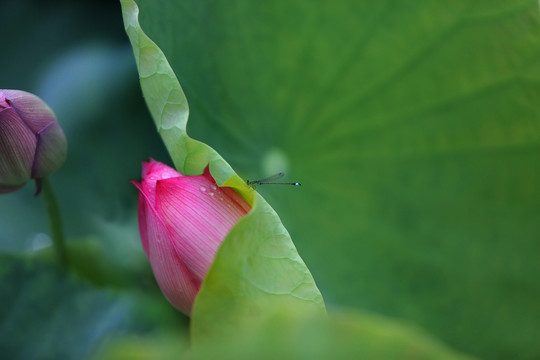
(32,144)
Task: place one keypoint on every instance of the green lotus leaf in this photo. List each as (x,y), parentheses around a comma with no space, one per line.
(413,127)
(295,334)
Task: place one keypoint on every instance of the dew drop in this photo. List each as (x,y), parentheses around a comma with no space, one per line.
(211,193)
(202,188)
(214,187)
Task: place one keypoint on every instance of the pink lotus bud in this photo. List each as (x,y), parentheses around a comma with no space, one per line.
(183,220)
(32,144)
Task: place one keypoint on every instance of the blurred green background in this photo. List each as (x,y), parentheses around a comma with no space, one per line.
(76,56)
(414,129)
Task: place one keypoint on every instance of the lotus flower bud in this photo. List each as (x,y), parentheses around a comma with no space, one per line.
(182,221)
(32,144)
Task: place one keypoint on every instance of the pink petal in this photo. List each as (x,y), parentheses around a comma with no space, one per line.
(151,173)
(200,214)
(157,170)
(173,277)
(143,204)
(230,192)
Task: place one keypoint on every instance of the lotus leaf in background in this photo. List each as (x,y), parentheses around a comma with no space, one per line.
(414,128)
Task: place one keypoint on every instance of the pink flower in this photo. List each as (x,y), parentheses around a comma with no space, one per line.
(182,221)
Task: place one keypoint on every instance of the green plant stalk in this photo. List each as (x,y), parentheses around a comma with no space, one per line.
(55,221)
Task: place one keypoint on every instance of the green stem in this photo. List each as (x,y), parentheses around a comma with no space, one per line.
(55,221)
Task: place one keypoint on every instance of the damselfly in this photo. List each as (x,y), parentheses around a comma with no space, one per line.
(271,180)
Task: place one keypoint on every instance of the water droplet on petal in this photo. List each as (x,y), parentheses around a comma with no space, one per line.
(214,187)
(202,188)
(211,193)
